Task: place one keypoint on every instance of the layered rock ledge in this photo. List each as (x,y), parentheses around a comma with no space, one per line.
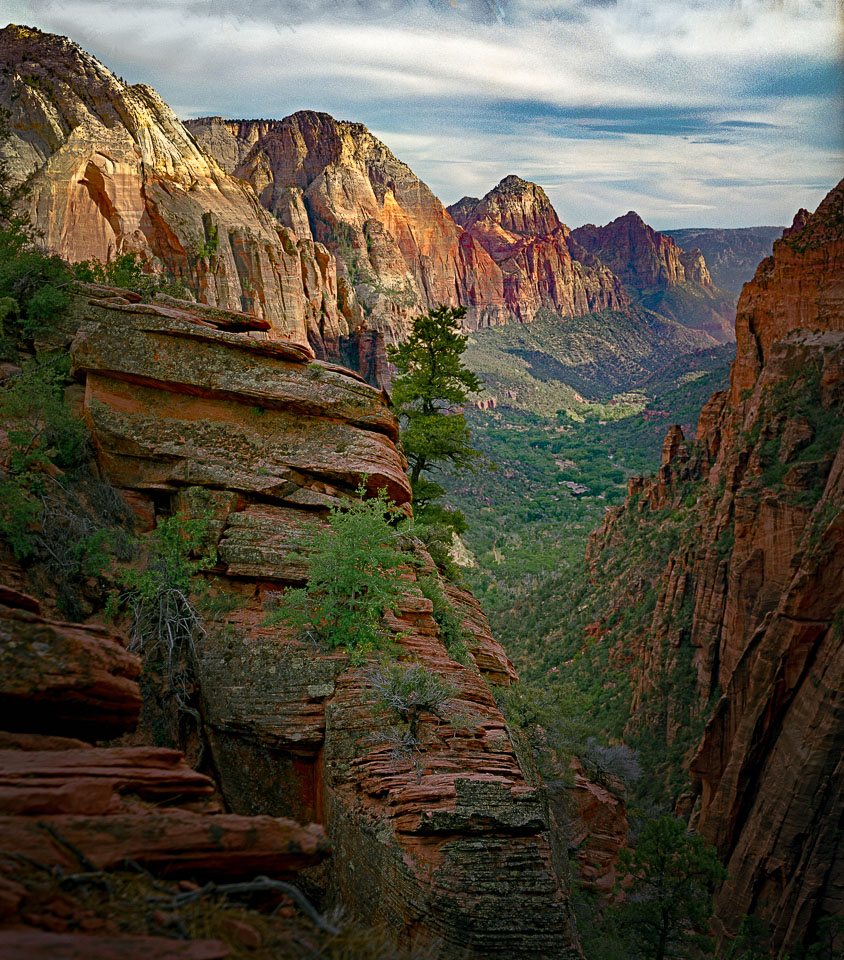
(260,438)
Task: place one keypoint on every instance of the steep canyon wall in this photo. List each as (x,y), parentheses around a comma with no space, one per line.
(749,605)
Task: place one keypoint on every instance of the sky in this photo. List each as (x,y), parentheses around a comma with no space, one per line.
(718,113)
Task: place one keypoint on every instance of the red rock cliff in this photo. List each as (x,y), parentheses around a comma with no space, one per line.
(519,228)
(401,250)
(750,604)
(186,414)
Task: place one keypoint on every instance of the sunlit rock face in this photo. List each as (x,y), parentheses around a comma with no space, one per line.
(336,182)
(189,410)
(519,228)
(757,589)
(114,171)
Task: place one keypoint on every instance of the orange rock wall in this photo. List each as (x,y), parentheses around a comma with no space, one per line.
(114,171)
(188,415)
(517,225)
(763,570)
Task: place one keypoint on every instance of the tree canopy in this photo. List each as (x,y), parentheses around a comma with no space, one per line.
(430,387)
(669,901)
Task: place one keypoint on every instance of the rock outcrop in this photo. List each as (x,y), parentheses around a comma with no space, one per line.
(749,607)
(518,227)
(659,273)
(114,171)
(260,439)
(67,806)
(333,181)
(597,834)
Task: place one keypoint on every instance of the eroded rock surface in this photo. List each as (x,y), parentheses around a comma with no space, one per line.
(519,228)
(115,171)
(67,806)
(751,603)
(450,845)
(335,182)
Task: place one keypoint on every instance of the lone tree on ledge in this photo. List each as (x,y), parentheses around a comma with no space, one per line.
(430,386)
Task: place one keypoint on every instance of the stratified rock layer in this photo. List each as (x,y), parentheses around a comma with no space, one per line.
(114,171)
(188,417)
(335,182)
(755,596)
(67,806)
(518,227)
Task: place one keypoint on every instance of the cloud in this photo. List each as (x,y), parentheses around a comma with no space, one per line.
(471,86)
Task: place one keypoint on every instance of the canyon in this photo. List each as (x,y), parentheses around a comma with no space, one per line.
(716,598)
(309,222)
(258,405)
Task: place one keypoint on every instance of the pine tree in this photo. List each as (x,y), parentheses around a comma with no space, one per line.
(430,387)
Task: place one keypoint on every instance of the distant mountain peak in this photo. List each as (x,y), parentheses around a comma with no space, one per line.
(516,205)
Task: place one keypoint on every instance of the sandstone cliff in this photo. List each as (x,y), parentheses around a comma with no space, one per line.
(519,228)
(308,222)
(655,270)
(397,246)
(738,540)
(77,818)
(189,412)
(113,170)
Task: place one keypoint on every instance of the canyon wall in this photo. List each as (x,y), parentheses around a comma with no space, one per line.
(732,255)
(308,222)
(519,228)
(658,273)
(750,594)
(398,246)
(114,171)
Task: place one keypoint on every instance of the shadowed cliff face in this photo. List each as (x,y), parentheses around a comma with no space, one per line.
(187,415)
(662,275)
(113,171)
(731,255)
(752,601)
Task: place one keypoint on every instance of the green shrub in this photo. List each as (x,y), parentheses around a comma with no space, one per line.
(406,692)
(130,271)
(42,431)
(160,595)
(451,631)
(353,578)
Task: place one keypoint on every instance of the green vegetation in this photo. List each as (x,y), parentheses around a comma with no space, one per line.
(42,434)
(212,237)
(430,384)
(353,578)
(165,619)
(451,632)
(669,900)
(553,364)
(131,272)
(406,692)
(526,522)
